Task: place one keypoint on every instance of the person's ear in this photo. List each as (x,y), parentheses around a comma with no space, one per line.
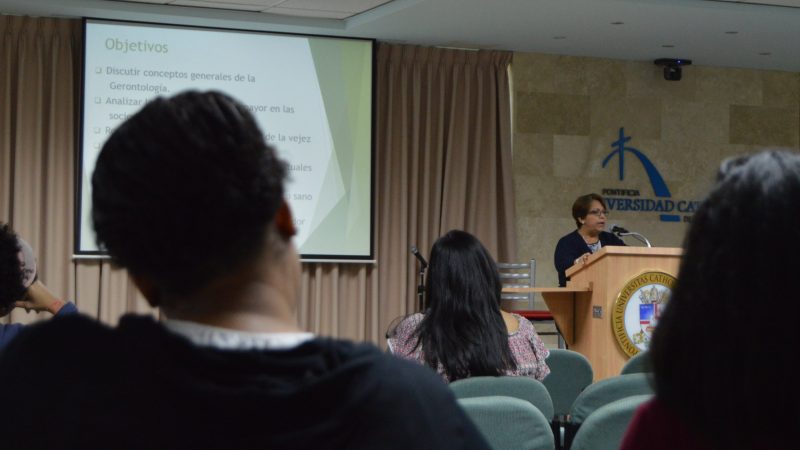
(284,221)
(148,289)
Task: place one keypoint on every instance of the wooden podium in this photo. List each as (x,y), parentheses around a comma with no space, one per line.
(582,310)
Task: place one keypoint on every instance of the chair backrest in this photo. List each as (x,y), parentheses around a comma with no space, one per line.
(605,428)
(608,390)
(523,388)
(638,363)
(570,373)
(518,275)
(509,423)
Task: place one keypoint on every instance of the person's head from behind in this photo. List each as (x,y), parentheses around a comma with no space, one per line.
(590,212)
(725,348)
(12,288)
(188,197)
(463,328)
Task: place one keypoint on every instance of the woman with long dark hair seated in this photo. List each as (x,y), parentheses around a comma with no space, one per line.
(724,353)
(463,332)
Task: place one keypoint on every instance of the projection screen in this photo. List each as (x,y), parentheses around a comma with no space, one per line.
(312,97)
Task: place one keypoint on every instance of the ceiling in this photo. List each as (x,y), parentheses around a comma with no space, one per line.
(761,34)
(321,9)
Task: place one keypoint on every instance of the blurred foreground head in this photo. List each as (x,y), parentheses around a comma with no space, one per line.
(728,338)
(187,191)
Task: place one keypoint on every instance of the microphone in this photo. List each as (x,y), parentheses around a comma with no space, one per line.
(616,229)
(619,231)
(419,257)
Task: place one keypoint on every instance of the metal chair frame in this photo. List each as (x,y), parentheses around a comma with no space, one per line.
(523,275)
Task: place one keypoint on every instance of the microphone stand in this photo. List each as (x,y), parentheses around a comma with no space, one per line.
(637,236)
(421,286)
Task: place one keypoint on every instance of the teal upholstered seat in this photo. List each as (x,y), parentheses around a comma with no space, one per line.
(523,388)
(608,390)
(509,423)
(570,373)
(602,393)
(605,428)
(639,362)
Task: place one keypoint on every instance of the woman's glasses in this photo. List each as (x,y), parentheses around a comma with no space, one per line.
(599,212)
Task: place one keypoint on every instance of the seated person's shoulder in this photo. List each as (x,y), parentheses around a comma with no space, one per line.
(411,321)
(55,342)
(368,358)
(64,330)
(386,375)
(399,337)
(410,397)
(409,324)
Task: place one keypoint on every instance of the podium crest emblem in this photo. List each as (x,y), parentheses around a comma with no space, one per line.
(638,308)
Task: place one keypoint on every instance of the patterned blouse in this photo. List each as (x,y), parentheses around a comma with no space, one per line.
(527,348)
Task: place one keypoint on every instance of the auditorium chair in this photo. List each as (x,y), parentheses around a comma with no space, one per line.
(523,275)
(638,363)
(523,388)
(602,393)
(509,423)
(570,373)
(605,428)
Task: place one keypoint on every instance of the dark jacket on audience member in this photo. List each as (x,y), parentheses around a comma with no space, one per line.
(76,383)
(11,330)
(571,246)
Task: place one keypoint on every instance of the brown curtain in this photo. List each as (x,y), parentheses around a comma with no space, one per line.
(39,82)
(443,161)
(38,66)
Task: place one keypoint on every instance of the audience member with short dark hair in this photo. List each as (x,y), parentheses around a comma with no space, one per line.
(188,197)
(463,332)
(19,286)
(725,349)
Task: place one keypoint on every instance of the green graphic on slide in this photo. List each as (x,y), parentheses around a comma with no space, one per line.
(345,63)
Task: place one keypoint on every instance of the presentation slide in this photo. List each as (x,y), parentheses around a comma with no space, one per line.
(312,97)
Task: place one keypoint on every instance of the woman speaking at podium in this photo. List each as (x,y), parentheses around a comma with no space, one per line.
(590,214)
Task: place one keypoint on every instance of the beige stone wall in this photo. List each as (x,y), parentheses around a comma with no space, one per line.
(568,111)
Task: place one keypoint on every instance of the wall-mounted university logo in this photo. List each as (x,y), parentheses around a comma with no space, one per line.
(656,180)
(624,199)
(637,309)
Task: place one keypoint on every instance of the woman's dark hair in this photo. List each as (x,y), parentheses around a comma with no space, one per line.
(463,329)
(726,346)
(11,276)
(580,209)
(185,189)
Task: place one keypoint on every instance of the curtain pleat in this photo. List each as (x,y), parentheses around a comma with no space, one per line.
(444,147)
(442,143)
(40,60)
(87,286)
(335,300)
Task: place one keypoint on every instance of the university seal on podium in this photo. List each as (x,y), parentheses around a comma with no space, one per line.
(638,308)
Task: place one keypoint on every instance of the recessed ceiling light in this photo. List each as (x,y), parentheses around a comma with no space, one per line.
(559,37)
(617,23)
(731,32)
(765,53)
(668,46)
